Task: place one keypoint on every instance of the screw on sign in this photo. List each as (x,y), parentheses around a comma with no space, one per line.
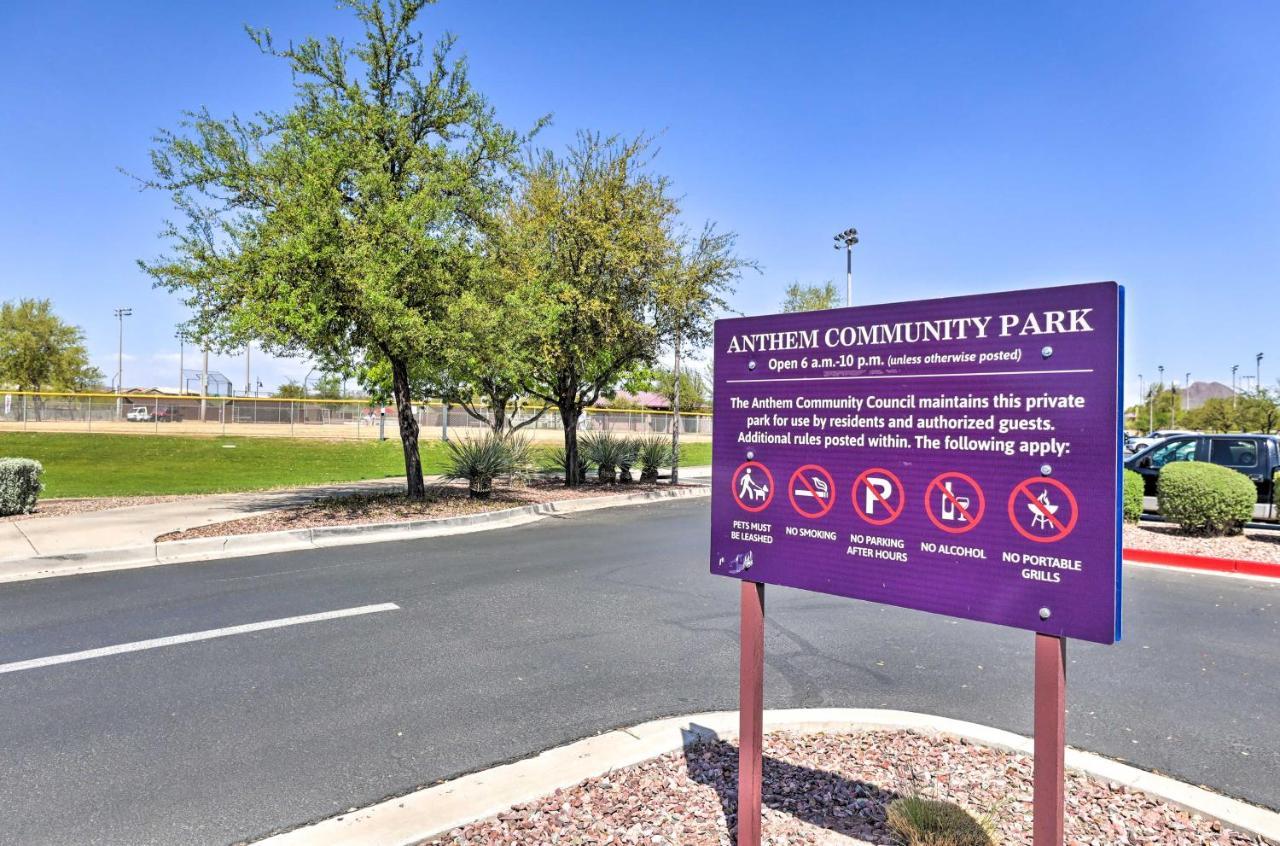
(1041,515)
(954,502)
(752,486)
(812,491)
(878,496)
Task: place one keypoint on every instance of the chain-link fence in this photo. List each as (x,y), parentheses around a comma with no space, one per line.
(301,418)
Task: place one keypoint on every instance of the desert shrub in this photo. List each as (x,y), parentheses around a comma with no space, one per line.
(607,453)
(627,459)
(652,454)
(918,821)
(524,458)
(1205,499)
(20,485)
(479,461)
(1133,490)
(553,459)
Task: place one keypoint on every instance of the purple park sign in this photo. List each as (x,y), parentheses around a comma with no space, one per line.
(959,456)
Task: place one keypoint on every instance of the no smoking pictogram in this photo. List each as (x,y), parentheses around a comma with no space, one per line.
(812,491)
(954,502)
(1041,515)
(878,496)
(752,486)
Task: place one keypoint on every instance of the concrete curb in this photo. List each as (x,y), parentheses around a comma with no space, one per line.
(435,810)
(1203,563)
(237,546)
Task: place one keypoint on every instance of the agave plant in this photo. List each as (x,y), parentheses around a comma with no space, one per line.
(652,454)
(607,453)
(480,461)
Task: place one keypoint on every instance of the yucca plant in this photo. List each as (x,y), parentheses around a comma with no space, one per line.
(652,454)
(627,460)
(524,458)
(607,453)
(553,458)
(480,461)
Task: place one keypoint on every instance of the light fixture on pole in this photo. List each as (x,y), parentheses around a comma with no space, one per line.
(849,237)
(182,373)
(1257,361)
(1234,368)
(1186,392)
(1160,384)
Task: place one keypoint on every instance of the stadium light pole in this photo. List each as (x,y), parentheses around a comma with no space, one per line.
(1234,368)
(1257,361)
(1186,392)
(182,373)
(849,237)
(1160,384)
(121,314)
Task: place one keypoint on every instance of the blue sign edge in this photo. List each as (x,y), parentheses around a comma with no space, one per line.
(1119,594)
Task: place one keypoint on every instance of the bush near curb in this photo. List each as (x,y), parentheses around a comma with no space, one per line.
(1133,491)
(917,821)
(20,485)
(1205,499)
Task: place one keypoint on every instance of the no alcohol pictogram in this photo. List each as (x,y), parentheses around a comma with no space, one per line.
(954,502)
(878,496)
(812,491)
(752,486)
(1043,510)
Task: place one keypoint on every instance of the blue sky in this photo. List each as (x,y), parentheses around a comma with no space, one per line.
(977,147)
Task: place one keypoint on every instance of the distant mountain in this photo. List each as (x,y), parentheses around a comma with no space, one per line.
(1201,392)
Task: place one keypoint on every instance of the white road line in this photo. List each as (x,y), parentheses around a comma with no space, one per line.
(155,643)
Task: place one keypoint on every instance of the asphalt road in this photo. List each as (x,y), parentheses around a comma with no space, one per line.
(508,642)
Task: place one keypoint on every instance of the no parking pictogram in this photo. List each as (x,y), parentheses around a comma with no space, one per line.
(878,496)
(1042,516)
(812,491)
(954,502)
(752,486)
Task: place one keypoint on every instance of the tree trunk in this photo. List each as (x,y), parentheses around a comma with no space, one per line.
(675,418)
(416,488)
(569,417)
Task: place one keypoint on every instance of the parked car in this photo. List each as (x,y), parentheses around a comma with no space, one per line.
(169,414)
(1256,456)
(1140,443)
(140,414)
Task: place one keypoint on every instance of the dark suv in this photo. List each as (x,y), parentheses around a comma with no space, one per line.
(1256,456)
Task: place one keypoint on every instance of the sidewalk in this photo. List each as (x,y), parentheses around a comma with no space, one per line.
(135,525)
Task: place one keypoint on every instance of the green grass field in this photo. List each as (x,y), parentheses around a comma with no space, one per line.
(79,465)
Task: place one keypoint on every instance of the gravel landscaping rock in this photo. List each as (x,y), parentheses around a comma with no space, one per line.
(1254,545)
(60,507)
(830,788)
(443,500)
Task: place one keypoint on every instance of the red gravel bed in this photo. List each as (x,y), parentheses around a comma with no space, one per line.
(1261,545)
(446,500)
(826,789)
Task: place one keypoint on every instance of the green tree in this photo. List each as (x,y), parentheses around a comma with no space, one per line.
(585,252)
(342,228)
(692,388)
(39,352)
(690,296)
(811,297)
(290,390)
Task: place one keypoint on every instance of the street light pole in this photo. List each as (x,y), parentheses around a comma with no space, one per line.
(849,237)
(1142,398)
(1186,392)
(1257,360)
(1160,384)
(1234,368)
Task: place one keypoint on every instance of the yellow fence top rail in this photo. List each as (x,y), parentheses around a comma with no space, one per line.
(365,402)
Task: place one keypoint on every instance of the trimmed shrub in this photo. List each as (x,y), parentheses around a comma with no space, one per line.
(1205,499)
(480,461)
(652,454)
(917,821)
(1133,490)
(20,485)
